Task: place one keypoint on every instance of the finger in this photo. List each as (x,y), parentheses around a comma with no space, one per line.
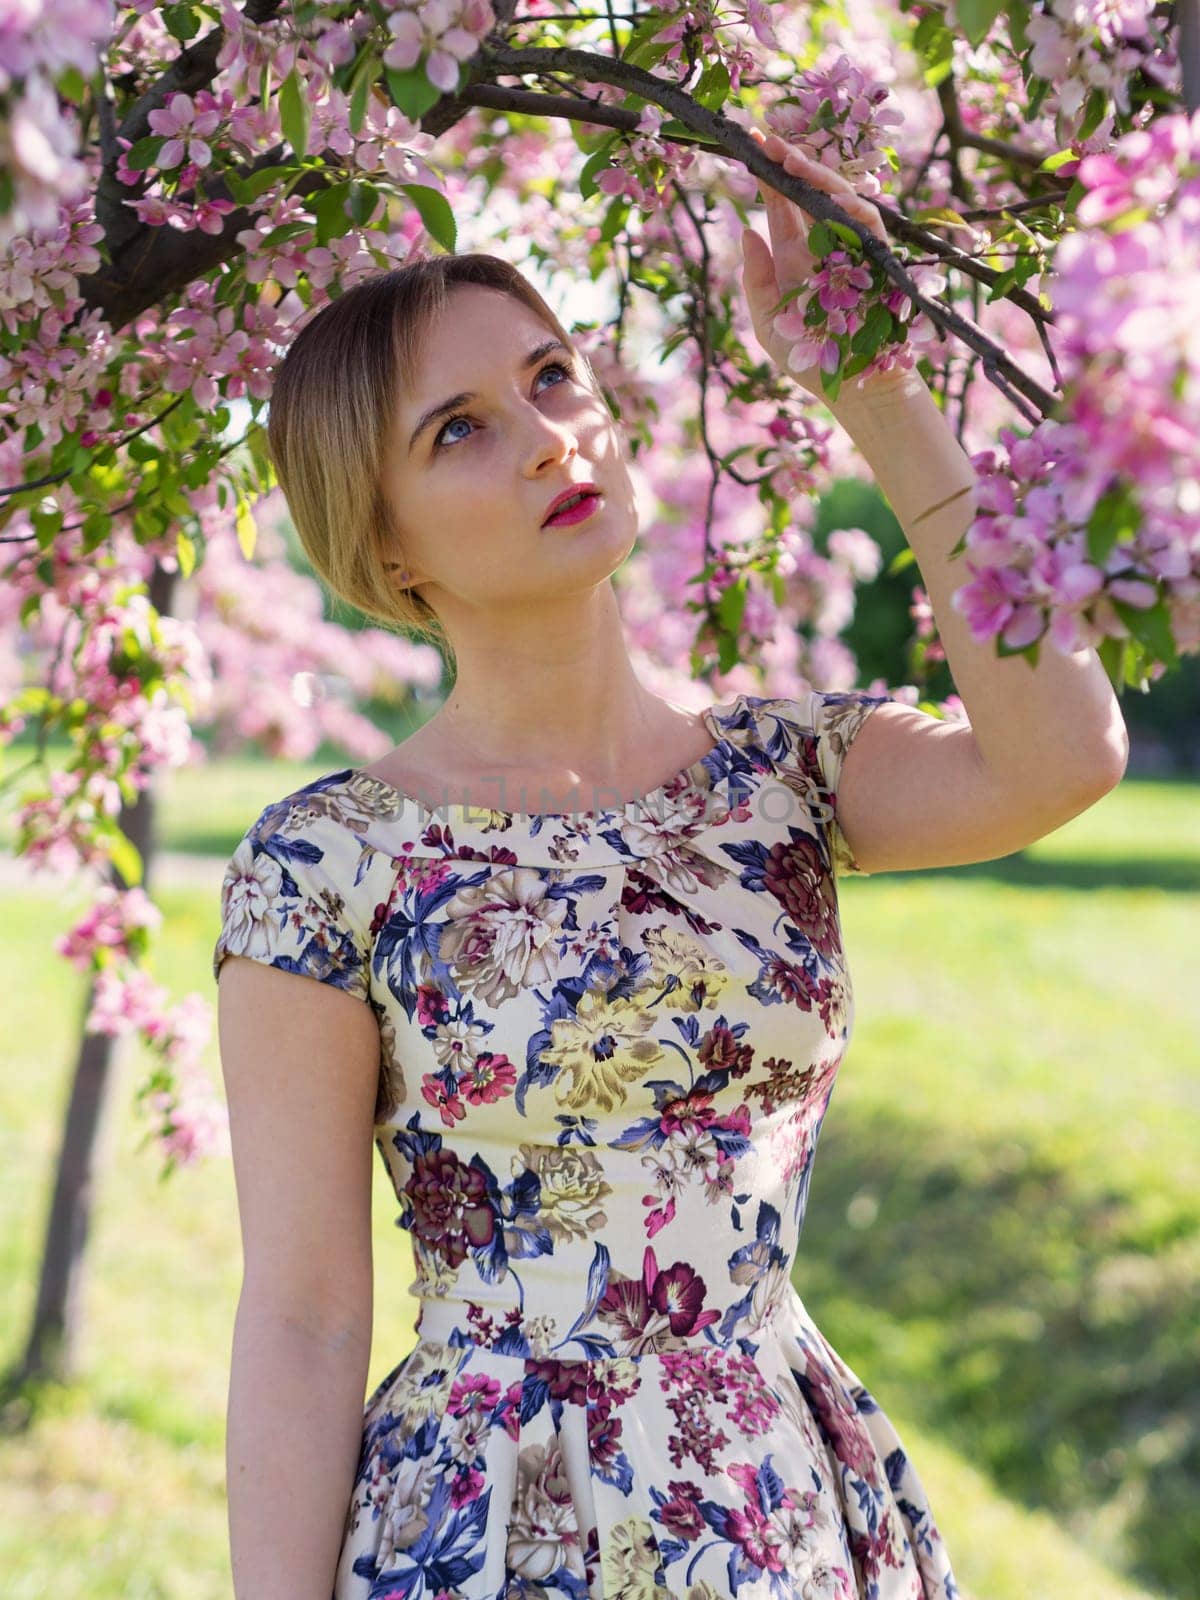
(817,173)
(758,277)
(839,188)
(758,268)
(784,215)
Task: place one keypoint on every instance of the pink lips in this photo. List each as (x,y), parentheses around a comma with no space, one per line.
(577,513)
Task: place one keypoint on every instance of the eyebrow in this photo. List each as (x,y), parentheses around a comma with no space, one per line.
(456,400)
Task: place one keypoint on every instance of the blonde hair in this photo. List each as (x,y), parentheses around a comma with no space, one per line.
(332,403)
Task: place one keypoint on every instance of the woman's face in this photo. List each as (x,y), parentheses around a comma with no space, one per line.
(470,492)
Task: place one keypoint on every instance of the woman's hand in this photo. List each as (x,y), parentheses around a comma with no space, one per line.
(769,272)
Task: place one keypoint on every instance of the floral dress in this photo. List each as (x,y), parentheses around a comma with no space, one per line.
(607,1045)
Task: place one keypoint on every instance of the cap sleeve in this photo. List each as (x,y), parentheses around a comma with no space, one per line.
(283,903)
(836,718)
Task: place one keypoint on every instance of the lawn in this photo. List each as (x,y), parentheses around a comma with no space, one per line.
(1003,1239)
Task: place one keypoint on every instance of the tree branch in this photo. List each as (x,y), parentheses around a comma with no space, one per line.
(500,97)
(152,264)
(734,141)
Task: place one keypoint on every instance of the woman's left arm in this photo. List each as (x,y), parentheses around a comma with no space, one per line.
(1042,743)
(1059,722)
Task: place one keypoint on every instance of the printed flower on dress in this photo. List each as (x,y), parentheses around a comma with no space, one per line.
(837,1416)
(450,1204)
(657,1311)
(630,1560)
(250,891)
(543,1533)
(500,935)
(688,978)
(572,1188)
(680,1512)
(796,876)
(604,1046)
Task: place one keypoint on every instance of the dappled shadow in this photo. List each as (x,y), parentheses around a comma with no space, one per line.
(1051,1336)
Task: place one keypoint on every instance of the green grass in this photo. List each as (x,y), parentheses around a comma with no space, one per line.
(1002,1239)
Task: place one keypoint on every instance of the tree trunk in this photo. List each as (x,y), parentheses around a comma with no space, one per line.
(54,1338)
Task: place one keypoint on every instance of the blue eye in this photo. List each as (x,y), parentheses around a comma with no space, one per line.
(565,367)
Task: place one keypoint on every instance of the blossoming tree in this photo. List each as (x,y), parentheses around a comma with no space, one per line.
(181,184)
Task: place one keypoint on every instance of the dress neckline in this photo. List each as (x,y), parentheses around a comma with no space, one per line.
(698,774)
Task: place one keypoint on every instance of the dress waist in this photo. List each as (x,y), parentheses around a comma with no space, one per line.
(627,1320)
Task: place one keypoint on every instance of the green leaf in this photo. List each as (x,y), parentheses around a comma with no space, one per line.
(143,153)
(1058,159)
(831,384)
(934,43)
(366,70)
(976,17)
(1003,282)
(847,235)
(46,525)
(1097,105)
(72,85)
(284,232)
(1018,33)
(933,40)
(185,549)
(96,529)
(732,605)
(295,113)
(1112,656)
(599,158)
(364,197)
(727,652)
(943,214)
(125,855)
(674,129)
(821,240)
(265,178)
(874,331)
(435,213)
(412,91)
(329,208)
(247,528)
(1040,91)
(614,219)
(1151,626)
(237,187)
(182,22)
(1114,518)
(712,90)
(641,48)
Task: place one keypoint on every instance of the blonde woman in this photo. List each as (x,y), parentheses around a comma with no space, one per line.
(580,979)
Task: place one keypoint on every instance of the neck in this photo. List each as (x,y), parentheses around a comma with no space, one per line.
(563,697)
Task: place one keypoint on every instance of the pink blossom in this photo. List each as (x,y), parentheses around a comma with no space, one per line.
(186,128)
(447,32)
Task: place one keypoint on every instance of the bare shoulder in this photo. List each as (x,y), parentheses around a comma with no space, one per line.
(916,792)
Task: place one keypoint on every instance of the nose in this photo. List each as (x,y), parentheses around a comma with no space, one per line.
(550,442)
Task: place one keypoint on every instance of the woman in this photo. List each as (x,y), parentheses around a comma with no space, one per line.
(594,1002)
